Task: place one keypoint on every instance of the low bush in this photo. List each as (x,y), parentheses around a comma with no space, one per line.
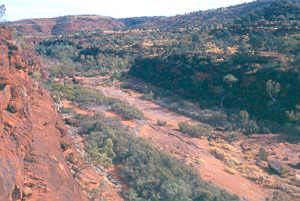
(65,110)
(59,90)
(219,154)
(263,154)
(242,122)
(161,123)
(11,109)
(127,111)
(78,94)
(148,96)
(85,95)
(2,86)
(193,130)
(232,136)
(149,173)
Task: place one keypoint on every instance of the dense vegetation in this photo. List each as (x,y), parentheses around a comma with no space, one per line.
(249,62)
(243,60)
(193,130)
(260,76)
(149,173)
(85,97)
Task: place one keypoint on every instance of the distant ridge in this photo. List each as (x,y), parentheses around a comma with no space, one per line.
(66,24)
(76,23)
(200,18)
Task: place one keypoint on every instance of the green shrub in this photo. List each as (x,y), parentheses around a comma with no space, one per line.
(161,123)
(243,123)
(263,154)
(67,110)
(11,109)
(232,136)
(63,69)
(127,111)
(149,173)
(36,75)
(101,154)
(89,96)
(2,86)
(148,96)
(59,90)
(193,130)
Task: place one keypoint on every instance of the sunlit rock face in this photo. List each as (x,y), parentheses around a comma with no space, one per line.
(32,163)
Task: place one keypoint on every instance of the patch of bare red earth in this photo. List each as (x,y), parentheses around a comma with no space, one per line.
(191,150)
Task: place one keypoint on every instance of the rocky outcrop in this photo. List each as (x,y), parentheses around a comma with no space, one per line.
(34,143)
(278,167)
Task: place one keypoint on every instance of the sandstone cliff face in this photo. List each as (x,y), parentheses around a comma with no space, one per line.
(34,144)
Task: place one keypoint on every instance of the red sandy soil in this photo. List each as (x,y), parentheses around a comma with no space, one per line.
(192,150)
(68,104)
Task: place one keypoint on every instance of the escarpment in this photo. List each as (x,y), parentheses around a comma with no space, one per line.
(34,143)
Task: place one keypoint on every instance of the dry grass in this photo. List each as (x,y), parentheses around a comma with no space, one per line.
(230,170)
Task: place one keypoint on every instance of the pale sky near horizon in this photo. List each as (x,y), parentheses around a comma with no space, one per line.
(24,9)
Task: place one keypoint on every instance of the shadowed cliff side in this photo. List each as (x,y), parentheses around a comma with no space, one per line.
(34,144)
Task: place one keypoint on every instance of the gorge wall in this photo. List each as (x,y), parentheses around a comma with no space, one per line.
(34,143)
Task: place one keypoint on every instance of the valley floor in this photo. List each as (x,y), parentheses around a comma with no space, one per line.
(195,152)
(231,166)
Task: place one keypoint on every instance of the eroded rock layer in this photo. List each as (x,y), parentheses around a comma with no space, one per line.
(34,144)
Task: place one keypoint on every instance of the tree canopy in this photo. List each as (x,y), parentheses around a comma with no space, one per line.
(2,11)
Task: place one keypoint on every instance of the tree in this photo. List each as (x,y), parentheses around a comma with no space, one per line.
(256,41)
(294,115)
(229,79)
(108,149)
(2,11)
(272,88)
(293,127)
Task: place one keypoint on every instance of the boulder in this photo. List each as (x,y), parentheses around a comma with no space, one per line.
(278,167)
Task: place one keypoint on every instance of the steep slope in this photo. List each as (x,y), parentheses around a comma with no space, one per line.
(34,143)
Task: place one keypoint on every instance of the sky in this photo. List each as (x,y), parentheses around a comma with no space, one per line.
(24,9)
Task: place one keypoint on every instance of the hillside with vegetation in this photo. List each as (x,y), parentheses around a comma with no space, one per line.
(251,64)
(65,25)
(247,63)
(205,19)
(231,73)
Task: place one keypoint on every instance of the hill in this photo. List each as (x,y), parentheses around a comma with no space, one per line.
(65,24)
(210,18)
(240,64)
(253,48)
(233,71)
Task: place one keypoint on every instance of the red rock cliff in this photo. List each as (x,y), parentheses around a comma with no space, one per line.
(34,144)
